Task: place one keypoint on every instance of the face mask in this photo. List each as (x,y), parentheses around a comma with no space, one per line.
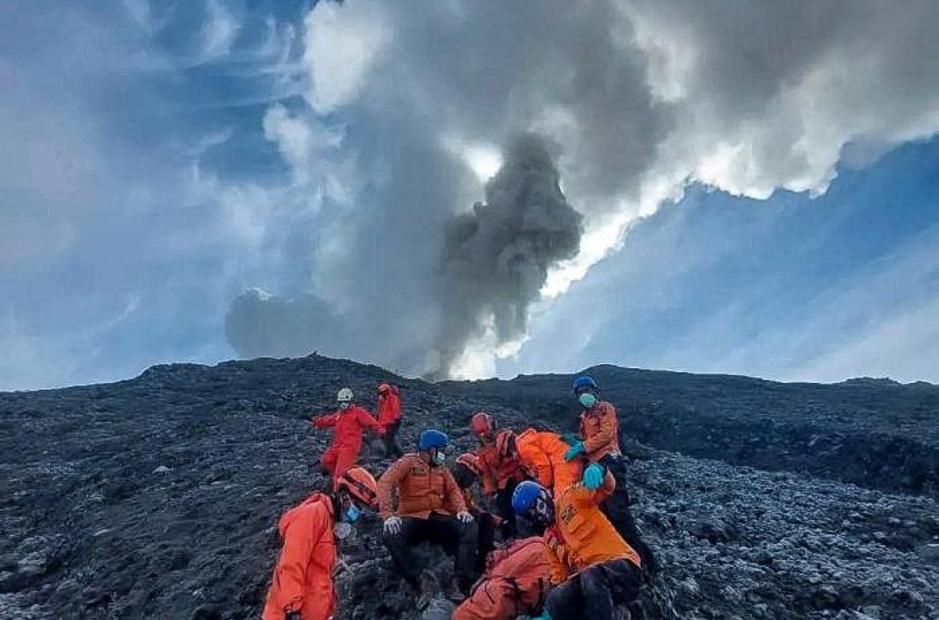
(342,530)
(440,458)
(344,405)
(353,513)
(587,399)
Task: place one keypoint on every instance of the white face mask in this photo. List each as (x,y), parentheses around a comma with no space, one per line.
(342,530)
(344,405)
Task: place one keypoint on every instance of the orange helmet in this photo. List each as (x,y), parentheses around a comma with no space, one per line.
(505,444)
(384,388)
(359,484)
(471,462)
(481,424)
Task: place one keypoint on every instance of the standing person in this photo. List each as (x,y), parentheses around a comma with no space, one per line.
(599,431)
(591,567)
(498,459)
(302,586)
(430,508)
(348,422)
(389,416)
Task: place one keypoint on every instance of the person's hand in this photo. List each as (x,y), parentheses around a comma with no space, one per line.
(574,451)
(464,517)
(593,476)
(392,525)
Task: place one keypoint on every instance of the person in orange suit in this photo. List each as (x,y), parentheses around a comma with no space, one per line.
(348,422)
(591,567)
(498,459)
(302,586)
(514,584)
(599,430)
(430,508)
(542,455)
(389,416)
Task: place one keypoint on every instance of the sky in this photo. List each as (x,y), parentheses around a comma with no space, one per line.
(468,189)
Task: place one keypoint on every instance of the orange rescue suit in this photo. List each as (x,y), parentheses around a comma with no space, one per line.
(389,407)
(497,471)
(303,575)
(514,583)
(422,489)
(599,429)
(542,454)
(348,425)
(582,535)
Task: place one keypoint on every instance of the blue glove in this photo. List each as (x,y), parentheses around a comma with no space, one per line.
(544,616)
(574,451)
(593,477)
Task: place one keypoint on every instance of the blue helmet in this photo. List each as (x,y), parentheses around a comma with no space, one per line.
(585,381)
(433,439)
(525,494)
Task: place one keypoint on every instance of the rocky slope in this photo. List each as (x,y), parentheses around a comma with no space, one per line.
(158,497)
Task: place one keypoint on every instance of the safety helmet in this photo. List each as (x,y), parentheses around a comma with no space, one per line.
(584,381)
(481,424)
(505,444)
(345,395)
(471,462)
(359,484)
(433,439)
(384,388)
(526,494)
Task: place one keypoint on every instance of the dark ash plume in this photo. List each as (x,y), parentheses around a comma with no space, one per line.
(496,259)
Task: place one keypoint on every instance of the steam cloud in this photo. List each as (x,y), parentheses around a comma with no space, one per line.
(496,259)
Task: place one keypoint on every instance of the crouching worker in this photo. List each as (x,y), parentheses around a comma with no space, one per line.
(591,566)
(430,508)
(302,586)
(501,470)
(466,471)
(513,585)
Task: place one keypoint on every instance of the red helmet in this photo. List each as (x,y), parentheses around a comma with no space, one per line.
(384,388)
(481,424)
(471,462)
(505,444)
(359,484)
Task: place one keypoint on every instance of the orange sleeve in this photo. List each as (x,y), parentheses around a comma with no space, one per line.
(366,419)
(299,540)
(538,463)
(582,496)
(455,501)
(489,479)
(557,571)
(388,482)
(607,432)
(325,421)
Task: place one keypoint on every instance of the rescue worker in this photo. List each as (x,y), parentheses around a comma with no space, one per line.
(542,455)
(599,432)
(302,586)
(348,421)
(591,568)
(498,459)
(514,583)
(466,473)
(389,416)
(430,508)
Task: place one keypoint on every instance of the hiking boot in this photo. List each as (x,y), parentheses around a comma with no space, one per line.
(454,592)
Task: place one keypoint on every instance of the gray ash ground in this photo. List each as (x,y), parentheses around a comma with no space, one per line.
(159,497)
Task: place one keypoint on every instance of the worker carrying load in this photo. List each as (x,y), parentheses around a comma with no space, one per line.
(599,434)
(498,459)
(467,473)
(389,416)
(591,567)
(542,455)
(513,585)
(348,423)
(302,586)
(430,508)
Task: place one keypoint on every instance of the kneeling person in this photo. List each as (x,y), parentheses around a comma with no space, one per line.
(592,567)
(302,586)
(430,509)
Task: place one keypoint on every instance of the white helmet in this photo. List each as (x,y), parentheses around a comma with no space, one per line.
(345,395)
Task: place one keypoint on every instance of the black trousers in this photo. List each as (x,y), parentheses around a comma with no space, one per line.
(486,538)
(616,509)
(593,593)
(504,509)
(456,538)
(390,439)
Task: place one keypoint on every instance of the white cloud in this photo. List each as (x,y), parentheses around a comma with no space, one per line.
(219,31)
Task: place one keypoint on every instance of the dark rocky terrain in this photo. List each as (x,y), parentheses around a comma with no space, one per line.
(158,497)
